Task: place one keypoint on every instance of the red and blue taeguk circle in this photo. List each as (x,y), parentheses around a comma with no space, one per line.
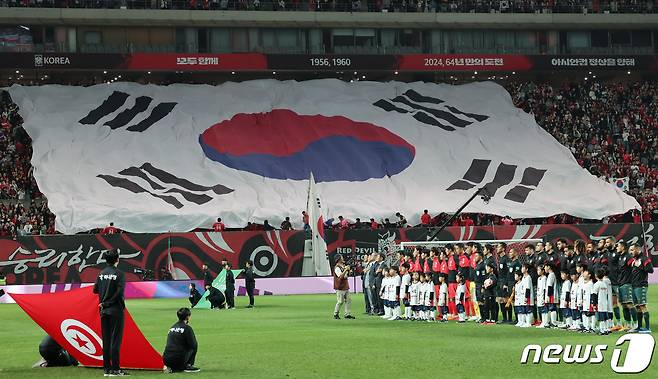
(282,144)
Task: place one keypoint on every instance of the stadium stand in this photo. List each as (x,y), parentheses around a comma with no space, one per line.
(23,209)
(500,6)
(610,128)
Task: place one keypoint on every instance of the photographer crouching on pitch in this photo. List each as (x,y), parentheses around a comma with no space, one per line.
(180,352)
(342,287)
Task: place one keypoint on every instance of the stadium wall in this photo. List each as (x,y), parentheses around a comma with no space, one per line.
(58,259)
(179,289)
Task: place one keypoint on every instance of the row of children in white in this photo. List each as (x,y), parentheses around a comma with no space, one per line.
(582,301)
(419,296)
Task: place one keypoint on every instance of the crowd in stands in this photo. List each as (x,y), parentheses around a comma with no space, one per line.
(611,128)
(22,207)
(455,6)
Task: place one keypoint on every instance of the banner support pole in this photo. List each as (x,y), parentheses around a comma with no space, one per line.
(433,236)
(644,234)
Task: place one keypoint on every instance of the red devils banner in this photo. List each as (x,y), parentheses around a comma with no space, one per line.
(275,254)
(71,318)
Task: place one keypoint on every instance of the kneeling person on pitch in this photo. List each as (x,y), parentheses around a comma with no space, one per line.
(53,355)
(215,297)
(180,352)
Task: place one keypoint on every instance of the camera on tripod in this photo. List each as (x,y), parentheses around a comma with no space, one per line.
(145,274)
(352,264)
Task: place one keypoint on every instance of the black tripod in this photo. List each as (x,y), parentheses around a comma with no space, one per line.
(485,197)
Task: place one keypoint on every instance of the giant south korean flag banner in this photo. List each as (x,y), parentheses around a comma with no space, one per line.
(154,158)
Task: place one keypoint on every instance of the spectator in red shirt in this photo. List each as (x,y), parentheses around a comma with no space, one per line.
(425,218)
(110,229)
(343,223)
(507,221)
(219,225)
(373,224)
(467,221)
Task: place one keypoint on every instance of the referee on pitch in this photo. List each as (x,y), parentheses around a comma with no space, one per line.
(109,286)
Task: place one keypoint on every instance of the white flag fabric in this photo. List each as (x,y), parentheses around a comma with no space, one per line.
(621,183)
(316,219)
(157,158)
(170,265)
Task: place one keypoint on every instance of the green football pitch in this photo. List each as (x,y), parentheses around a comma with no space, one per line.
(296,337)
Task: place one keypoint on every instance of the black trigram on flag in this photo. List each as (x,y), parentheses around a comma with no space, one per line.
(430,111)
(164,185)
(117,100)
(504,176)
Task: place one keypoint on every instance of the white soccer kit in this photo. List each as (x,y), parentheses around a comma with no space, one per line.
(566,289)
(541,290)
(550,283)
(383,293)
(422,290)
(395,283)
(443,295)
(404,284)
(429,294)
(527,285)
(519,294)
(587,295)
(581,288)
(609,284)
(602,292)
(414,293)
(461,290)
(575,295)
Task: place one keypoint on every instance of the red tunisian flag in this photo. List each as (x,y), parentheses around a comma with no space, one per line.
(72,319)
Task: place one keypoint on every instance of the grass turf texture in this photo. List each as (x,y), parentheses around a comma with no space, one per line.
(296,336)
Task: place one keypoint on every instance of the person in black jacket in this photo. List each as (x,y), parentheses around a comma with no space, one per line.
(503,291)
(250,282)
(207,275)
(181,348)
(480,276)
(109,286)
(230,286)
(215,297)
(490,285)
(195,296)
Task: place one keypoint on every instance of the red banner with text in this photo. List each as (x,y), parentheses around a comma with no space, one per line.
(276,254)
